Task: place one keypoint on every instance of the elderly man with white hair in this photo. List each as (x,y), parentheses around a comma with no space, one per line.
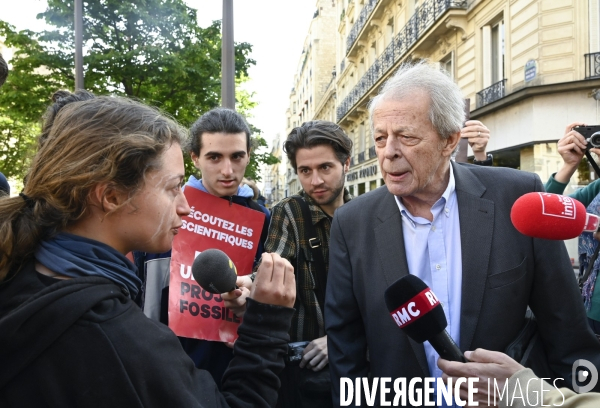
(449,224)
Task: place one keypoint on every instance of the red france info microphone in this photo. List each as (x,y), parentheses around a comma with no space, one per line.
(551,216)
(419,313)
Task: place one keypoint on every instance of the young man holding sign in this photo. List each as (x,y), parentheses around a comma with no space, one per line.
(319,152)
(220,149)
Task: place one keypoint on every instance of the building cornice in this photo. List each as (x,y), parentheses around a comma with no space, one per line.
(532,91)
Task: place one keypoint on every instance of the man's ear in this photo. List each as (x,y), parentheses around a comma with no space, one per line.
(347,165)
(450,144)
(195,159)
(248,156)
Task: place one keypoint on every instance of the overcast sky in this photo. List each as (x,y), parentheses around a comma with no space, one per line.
(275,28)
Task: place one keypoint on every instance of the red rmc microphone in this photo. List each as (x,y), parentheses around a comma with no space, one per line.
(419,313)
(551,216)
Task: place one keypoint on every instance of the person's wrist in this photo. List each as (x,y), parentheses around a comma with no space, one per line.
(488,161)
(570,167)
(480,156)
(564,174)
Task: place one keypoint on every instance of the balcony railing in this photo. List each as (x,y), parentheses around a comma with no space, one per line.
(331,81)
(372,152)
(360,23)
(425,16)
(592,65)
(491,93)
(361,157)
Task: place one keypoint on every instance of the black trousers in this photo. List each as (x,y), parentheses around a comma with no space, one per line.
(304,388)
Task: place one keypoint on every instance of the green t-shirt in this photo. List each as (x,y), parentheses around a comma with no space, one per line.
(585,196)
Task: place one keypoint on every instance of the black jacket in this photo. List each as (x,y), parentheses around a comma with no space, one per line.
(83,343)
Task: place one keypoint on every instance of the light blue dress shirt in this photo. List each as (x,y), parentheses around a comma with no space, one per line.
(433,253)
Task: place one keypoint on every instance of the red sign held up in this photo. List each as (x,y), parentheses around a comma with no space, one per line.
(212,223)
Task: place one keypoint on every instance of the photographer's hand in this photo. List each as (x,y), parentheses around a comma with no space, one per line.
(571,147)
(478,136)
(315,354)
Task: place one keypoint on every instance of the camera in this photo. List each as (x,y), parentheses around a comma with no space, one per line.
(295,350)
(591,134)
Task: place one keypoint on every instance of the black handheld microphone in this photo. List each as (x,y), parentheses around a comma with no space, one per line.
(214,271)
(418,312)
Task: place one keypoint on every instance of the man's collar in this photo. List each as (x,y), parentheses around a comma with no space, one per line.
(450,188)
(466,181)
(451,185)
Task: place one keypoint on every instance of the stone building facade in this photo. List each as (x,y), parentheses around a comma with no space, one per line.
(528,68)
(315,76)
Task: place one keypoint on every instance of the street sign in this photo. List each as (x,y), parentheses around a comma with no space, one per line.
(530,70)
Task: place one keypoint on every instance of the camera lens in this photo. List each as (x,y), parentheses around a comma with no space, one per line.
(595,139)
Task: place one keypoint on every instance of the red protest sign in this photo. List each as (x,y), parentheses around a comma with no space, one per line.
(212,223)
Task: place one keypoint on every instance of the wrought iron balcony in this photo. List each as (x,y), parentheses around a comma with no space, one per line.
(364,15)
(592,65)
(423,18)
(491,93)
(372,152)
(361,157)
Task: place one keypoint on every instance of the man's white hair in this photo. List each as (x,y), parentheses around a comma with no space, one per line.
(447,106)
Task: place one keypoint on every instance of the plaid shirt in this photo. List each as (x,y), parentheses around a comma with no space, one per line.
(286,237)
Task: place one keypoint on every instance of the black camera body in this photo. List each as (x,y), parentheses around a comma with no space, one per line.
(591,134)
(295,352)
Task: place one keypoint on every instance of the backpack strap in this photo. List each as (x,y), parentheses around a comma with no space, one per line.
(314,247)
(265,229)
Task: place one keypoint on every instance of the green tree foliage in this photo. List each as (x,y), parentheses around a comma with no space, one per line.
(257,158)
(583,169)
(150,50)
(17,142)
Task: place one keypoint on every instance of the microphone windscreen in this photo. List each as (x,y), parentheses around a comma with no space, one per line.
(415,308)
(214,271)
(548,216)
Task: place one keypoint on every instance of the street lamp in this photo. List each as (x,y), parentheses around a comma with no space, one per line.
(227,57)
(79,44)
